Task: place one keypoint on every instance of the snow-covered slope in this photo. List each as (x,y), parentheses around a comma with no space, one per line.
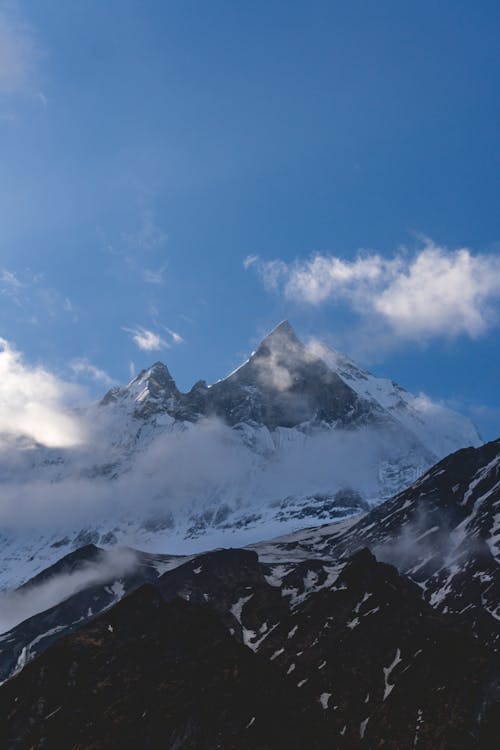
(441,430)
(289,439)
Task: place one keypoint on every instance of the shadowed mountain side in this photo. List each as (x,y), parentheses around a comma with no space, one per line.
(156,675)
(357,661)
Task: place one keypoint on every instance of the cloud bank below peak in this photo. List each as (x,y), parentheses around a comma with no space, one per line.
(434,293)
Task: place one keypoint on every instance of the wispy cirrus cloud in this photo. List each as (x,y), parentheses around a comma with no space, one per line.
(149,236)
(18,52)
(147,341)
(151,341)
(251,260)
(151,276)
(83,366)
(9,280)
(176,337)
(10,286)
(31,292)
(142,251)
(435,292)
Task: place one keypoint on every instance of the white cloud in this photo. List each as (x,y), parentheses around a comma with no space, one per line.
(437,292)
(35,404)
(30,292)
(9,279)
(271,272)
(442,292)
(17,54)
(84,367)
(149,237)
(250,261)
(176,337)
(10,286)
(154,277)
(147,341)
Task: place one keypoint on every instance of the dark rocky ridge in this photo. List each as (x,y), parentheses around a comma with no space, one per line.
(156,675)
(363,663)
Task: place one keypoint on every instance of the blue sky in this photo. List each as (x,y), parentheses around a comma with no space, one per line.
(177,177)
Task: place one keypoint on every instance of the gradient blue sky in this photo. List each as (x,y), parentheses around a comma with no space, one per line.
(149,147)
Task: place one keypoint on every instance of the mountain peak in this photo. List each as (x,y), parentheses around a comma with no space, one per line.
(283,328)
(158,368)
(287,383)
(158,374)
(281,342)
(280,336)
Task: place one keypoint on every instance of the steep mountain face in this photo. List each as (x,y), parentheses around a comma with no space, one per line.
(374,655)
(297,435)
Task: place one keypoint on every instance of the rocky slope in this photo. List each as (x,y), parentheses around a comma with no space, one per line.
(156,675)
(443,532)
(379,656)
(236,662)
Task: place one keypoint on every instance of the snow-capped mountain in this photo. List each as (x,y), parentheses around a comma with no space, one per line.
(298,434)
(288,384)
